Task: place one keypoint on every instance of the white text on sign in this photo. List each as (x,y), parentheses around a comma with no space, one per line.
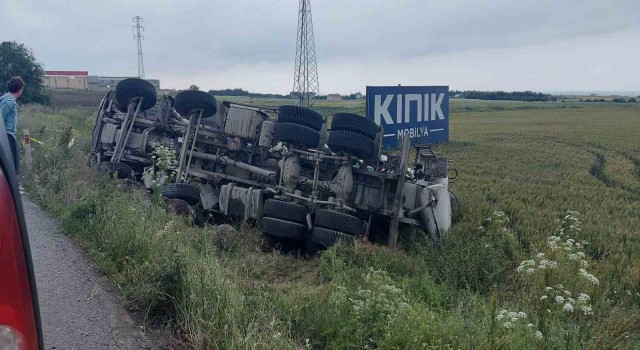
(427,107)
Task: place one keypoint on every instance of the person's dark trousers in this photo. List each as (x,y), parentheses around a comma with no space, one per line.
(13,144)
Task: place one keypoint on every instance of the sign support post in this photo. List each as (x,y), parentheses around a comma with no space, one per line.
(397,199)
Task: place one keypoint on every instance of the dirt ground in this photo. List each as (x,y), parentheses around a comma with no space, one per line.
(74,98)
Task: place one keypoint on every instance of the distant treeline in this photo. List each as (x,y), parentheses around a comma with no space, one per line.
(244,93)
(616,100)
(504,95)
(344,97)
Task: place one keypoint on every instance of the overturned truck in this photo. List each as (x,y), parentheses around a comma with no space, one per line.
(283,168)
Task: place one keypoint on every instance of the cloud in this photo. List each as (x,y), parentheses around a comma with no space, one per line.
(251,44)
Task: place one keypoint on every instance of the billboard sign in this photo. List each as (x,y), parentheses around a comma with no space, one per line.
(420,112)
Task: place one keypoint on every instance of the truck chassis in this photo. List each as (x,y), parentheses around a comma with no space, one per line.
(283,168)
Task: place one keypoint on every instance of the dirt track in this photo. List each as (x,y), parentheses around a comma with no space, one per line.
(71,98)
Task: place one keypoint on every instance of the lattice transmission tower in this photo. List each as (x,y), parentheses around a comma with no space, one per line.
(305,76)
(138,28)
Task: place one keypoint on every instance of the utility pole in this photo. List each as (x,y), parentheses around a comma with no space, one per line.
(138,36)
(305,76)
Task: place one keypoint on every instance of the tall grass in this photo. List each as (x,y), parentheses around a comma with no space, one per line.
(473,292)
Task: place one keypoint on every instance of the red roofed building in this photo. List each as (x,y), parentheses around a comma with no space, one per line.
(80,73)
(66,79)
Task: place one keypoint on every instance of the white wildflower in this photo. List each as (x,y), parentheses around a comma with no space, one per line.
(571,301)
(567,293)
(586,309)
(530,271)
(530,325)
(538,335)
(584,264)
(589,277)
(540,255)
(507,325)
(559,299)
(568,307)
(548,264)
(548,289)
(520,269)
(522,315)
(544,297)
(583,298)
(573,257)
(581,255)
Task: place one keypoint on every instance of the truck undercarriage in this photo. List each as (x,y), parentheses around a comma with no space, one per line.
(284,168)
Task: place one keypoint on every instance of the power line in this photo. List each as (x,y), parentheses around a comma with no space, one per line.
(305,75)
(138,36)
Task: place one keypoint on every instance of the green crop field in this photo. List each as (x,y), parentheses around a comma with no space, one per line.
(544,252)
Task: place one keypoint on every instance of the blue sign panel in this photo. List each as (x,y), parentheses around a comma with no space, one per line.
(420,112)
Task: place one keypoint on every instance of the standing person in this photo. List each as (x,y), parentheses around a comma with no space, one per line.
(9,113)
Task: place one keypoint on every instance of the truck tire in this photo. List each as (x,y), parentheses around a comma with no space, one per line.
(300,115)
(187,100)
(351,142)
(134,87)
(123,171)
(337,221)
(297,134)
(354,123)
(283,228)
(454,202)
(327,238)
(185,192)
(285,210)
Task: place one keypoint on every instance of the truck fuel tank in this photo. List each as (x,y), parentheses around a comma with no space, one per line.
(436,214)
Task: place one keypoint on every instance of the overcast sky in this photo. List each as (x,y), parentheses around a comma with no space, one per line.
(578,45)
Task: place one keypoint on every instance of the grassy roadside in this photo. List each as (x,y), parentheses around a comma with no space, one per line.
(214,290)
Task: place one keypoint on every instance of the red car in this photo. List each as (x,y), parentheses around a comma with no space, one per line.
(19,314)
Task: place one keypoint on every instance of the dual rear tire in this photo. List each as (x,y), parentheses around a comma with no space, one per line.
(284,219)
(331,226)
(353,134)
(289,220)
(299,126)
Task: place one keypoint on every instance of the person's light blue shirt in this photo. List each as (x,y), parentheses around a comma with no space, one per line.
(9,113)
